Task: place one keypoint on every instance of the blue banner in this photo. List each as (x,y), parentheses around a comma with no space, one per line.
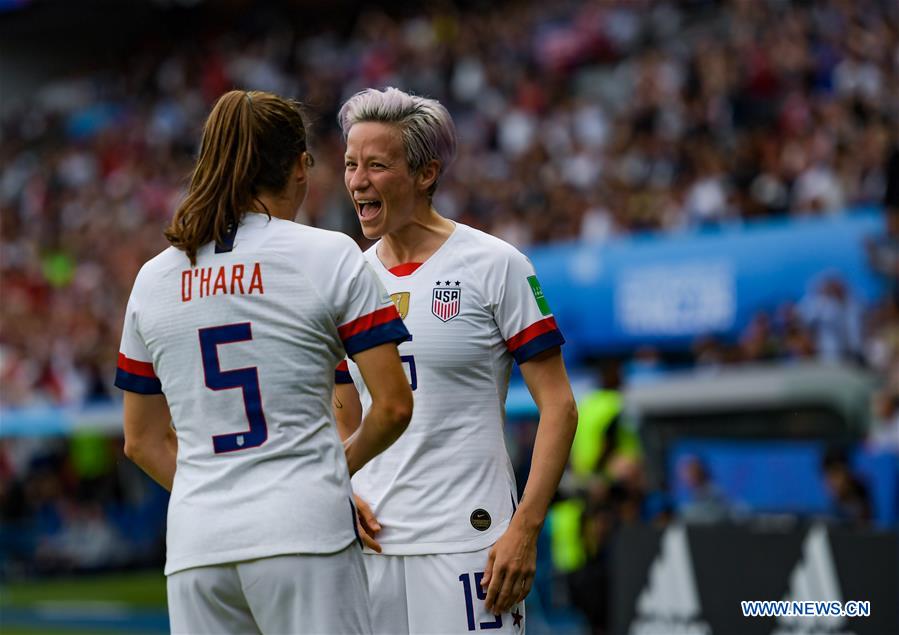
(665,290)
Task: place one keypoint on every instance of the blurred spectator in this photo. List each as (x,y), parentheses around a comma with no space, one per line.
(602,438)
(589,586)
(706,503)
(884,433)
(835,320)
(883,251)
(607,506)
(645,367)
(850,502)
(758,343)
(707,197)
(606,467)
(709,353)
(818,190)
(882,342)
(795,342)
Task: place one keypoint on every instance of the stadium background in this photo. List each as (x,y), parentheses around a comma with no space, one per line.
(708,191)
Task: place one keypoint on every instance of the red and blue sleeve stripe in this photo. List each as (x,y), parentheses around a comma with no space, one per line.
(376,328)
(538,337)
(135,376)
(342,373)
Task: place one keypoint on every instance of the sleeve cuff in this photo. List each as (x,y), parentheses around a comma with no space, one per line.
(137,383)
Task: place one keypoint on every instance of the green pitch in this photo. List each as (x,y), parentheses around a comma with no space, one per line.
(12,630)
(60,606)
(144,589)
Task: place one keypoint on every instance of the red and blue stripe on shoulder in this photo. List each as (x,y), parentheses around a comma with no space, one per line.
(376,328)
(136,376)
(538,337)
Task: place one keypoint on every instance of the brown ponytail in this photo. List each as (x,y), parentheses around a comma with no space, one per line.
(251,142)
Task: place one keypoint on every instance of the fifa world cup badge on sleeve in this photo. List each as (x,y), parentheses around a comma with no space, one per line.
(542,304)
(446,300)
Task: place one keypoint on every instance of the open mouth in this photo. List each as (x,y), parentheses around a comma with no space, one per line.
(368,208)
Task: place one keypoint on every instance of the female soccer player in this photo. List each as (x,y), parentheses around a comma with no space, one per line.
(231,334)
(456,554)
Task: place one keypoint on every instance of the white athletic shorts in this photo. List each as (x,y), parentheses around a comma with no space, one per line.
(304,594)
(438,593)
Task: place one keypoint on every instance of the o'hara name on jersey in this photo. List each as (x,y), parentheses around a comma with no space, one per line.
(205,281)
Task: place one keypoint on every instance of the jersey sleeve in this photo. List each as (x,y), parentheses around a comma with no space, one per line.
(522,311)
(134,371)
(366,316)
(342,373)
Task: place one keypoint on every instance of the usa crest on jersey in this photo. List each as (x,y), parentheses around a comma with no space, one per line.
(445,303)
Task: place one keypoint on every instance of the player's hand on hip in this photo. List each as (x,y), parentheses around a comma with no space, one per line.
(510,570)
(367,523)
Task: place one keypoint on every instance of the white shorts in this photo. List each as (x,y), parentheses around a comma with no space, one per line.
(438,593)
(284,595)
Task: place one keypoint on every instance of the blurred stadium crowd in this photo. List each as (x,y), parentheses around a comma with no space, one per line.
(577,120)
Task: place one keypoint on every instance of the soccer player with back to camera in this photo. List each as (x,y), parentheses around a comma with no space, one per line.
(449,548)
(232,335)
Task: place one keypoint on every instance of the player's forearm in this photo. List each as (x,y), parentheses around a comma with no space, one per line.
(346,426)
(157,459)
(380,428)
(347,410)
(555,433)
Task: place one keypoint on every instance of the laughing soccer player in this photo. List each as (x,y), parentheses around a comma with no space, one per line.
(450,549)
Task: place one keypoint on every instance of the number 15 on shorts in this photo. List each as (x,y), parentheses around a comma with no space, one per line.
(465,579)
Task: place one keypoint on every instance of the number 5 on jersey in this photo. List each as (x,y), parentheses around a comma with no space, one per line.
(410,359)
(247,379)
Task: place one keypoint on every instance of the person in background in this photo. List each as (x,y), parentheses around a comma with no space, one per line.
(883,252)
(834,318)
(850,502)
(884,434)
(606,455)
(589,585)
(603,434)
(707,503)
(230,340)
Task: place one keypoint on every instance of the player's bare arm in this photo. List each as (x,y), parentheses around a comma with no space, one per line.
(512,562)
(347,409)
(149,438)
(391,405)
(348,413)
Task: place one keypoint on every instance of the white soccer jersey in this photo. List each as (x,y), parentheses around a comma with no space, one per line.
(243,346)
(447,484)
